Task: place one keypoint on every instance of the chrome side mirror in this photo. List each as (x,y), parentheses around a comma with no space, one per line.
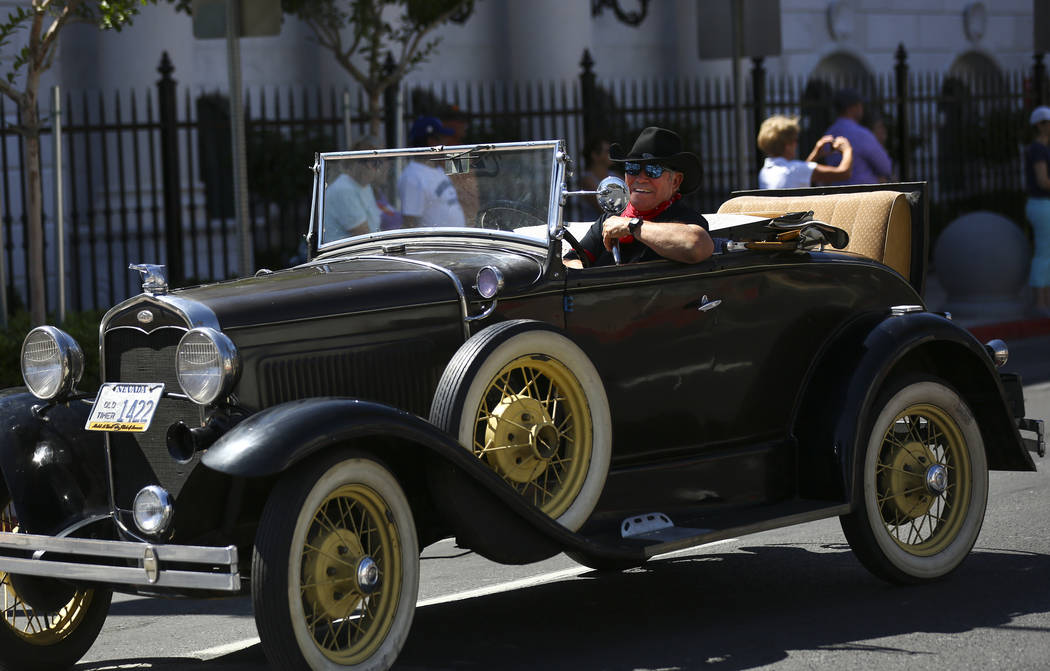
(612,195)
(457,165)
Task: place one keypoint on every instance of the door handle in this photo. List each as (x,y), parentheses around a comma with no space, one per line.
(706,304)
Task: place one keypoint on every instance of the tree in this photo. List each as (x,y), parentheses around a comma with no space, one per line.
(42,22)
(375,51)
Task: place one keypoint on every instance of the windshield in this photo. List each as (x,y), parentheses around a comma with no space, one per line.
(494,187)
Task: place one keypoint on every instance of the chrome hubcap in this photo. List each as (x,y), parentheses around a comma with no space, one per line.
(936,479)
(367,575)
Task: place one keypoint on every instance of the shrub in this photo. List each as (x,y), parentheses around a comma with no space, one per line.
(83,326)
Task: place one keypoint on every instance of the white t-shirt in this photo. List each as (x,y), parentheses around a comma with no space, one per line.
(347,205)
(781,173)
(427,193)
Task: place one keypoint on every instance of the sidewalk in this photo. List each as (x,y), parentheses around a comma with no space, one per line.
(1013,325)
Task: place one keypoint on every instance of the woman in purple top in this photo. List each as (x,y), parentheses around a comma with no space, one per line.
(1037,186)
(871,163)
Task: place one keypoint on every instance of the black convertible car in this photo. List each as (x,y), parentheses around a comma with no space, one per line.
(301,434)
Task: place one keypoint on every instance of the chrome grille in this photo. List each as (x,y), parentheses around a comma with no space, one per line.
(134,355)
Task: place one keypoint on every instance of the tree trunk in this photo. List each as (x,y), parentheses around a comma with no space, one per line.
(30,118)
(375,114)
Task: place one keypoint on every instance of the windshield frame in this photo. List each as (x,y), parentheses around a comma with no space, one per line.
(557,162)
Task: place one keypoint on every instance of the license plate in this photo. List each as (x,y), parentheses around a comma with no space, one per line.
(122,406)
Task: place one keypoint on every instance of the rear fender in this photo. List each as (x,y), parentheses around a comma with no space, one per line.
(831,417)
(427,461)
(54,470)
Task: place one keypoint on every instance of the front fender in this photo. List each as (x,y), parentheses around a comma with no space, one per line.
(54,470)
(832,417)
(275,439)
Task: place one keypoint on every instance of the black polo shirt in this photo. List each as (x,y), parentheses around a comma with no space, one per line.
(633,252)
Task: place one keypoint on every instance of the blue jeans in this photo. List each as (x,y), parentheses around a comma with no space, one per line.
(1038,212)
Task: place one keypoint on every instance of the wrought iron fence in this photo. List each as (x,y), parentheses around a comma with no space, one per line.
(147,175)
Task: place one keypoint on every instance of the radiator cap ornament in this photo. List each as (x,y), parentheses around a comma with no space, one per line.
(154,280)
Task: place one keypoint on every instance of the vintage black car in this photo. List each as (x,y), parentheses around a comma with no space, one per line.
(301,434)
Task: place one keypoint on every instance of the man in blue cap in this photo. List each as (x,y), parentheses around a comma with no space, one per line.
(427,196)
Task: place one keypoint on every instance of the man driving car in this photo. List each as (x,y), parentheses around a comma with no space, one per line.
(655,224)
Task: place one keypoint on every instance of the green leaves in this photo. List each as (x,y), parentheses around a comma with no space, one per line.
(41,37)
(378,27)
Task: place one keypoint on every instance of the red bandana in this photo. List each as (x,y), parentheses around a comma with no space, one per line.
(632,212)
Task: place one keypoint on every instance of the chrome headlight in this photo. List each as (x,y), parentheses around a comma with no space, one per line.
(207,365)
(999,352)
(152,509)
(52,362)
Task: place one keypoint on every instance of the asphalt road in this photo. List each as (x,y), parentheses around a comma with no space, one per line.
(788,599)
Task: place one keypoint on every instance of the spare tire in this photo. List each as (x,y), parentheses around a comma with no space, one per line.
(528,402)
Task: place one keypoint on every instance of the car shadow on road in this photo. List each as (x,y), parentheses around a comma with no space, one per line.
(738,610)
(734,611)
(241,606)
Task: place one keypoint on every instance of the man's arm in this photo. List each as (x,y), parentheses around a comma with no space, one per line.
(1042,179)
(410,192)
(683,242)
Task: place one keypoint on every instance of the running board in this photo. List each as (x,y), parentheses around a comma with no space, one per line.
(673,538)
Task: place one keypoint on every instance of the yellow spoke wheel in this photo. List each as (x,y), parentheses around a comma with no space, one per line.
(34,637)
(351,574)
(335,567)
(530,405)
(534,429)
(922,482)
(923,479)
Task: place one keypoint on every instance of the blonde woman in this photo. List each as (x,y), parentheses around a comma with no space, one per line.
(778,139)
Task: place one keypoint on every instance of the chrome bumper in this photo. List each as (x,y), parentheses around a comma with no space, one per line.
(121,562)
(1038,443)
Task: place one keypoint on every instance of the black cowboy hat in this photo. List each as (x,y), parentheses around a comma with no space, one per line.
(662,146)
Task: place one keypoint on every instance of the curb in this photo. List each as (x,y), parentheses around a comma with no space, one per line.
(1015,330)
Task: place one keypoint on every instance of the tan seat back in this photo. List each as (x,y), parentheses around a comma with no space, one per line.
(878,222)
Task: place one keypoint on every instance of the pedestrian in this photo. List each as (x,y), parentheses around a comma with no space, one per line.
(1037,186)
(778,138)
(428,197)
(871,163)
(597,165)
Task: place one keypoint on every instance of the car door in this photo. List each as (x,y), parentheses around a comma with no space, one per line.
(648,328)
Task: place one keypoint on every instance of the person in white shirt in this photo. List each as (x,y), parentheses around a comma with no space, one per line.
(428,197)
(350,206)
(778,138)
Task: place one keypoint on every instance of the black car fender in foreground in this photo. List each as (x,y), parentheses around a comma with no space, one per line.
(54,471)
(477,505)
(837,406)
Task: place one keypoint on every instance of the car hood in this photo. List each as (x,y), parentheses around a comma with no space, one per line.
(358,284)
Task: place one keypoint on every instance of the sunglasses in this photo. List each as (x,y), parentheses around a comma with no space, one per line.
(652,170)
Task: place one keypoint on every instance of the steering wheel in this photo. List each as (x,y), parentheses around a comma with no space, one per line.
(506,215)
(485,165)
(585,260)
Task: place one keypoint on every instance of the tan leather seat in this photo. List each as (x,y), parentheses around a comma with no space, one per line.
(878,222)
